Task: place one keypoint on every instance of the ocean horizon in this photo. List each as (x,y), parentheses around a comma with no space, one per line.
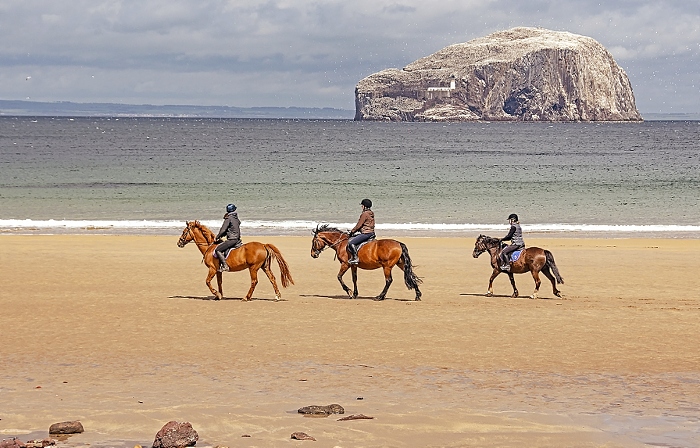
(149,175)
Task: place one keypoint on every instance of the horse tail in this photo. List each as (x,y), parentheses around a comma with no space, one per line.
(409,277)
(274,254)
(550,263)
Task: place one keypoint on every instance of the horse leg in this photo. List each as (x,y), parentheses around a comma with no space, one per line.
(219,281)
(212,273)
(253,281)
(354,281)
(387,283)
(545,271)
(343,269)
(512,282)
(494,274)
(271,276)
(538,282)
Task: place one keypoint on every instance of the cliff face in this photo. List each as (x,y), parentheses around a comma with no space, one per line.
(522,74)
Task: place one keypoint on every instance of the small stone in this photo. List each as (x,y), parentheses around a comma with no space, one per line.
(321,410)
(355,417)
(11,443)
(72,427)
(176,435)
(302,436)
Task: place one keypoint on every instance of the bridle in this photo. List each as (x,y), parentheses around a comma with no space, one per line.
(317,252)
(481,246)
(183,238)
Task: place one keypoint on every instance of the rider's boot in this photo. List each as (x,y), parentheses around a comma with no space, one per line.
(504,264)
(353,255)
(223,267)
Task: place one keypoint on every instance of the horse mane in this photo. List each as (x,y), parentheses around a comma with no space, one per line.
(327,228)
(489,241)
(208,234)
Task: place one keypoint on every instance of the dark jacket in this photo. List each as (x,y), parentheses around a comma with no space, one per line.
(515,235)
(366,223)
(231,227)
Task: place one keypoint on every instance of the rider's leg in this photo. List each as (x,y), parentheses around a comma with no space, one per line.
(220,252)
(505,257)
(354,243)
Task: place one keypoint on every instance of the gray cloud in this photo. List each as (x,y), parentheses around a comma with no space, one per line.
(310,53)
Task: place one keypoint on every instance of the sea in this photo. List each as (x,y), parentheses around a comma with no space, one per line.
(149,175)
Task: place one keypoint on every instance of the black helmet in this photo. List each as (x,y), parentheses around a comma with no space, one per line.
(367,203)
(230,208)
(513,217)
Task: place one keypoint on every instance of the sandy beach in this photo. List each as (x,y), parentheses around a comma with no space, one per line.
(120,333)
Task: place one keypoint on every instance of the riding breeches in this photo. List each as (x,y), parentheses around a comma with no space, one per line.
(226,245)
(505,253)
(357,240)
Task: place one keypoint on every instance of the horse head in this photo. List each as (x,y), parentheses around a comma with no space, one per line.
(483,244)
(187,234)
(325,236)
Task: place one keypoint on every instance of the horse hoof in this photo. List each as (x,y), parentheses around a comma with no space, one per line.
(489,294)
(378,298)
(278,298)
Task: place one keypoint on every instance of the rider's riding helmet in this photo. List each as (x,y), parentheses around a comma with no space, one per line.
(367,203)
(230,208)
(513,217)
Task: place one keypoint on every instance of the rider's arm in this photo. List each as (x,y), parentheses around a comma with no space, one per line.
(510,234)
(363,218)
(224,227)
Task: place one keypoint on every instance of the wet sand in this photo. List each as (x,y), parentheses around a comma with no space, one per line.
(120,333)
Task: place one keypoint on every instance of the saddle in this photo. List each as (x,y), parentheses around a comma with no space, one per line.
(228,251)
(357,248)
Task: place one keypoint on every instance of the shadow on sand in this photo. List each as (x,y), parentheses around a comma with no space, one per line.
(346,297)
(212,298)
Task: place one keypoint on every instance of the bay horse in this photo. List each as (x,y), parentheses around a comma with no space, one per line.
(251,256)
(532,259)
(375,254)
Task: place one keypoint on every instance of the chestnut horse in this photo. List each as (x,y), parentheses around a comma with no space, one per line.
(252,256)
(532,259)
(375,254)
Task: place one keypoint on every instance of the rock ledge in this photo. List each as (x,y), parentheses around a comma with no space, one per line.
(522,74)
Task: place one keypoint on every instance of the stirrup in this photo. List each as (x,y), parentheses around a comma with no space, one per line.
(354,260)
(505,267)
(223,267)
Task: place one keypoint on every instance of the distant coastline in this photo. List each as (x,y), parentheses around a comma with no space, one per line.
(21,108)
(69,109)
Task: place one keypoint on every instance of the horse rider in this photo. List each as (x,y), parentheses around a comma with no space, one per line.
(365,225)
(232,229)
(515,236)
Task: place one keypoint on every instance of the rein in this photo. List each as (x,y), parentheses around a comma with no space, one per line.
(332,246)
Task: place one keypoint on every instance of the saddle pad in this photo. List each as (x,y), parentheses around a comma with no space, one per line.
(515,255)
(365,242)
(228,251)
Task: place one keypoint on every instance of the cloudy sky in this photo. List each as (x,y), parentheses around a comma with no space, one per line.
(310,53)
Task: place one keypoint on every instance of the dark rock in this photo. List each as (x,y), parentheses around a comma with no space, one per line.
(40,443)
(176,435)
(302,436)
(73,427)
(521,74)
(11,443)
(355,417)
(322,410)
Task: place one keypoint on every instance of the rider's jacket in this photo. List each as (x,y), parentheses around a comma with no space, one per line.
(231,227)
(515,236)
(366,223)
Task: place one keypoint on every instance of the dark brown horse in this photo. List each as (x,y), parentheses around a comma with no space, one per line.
(251,256)
(375,254)
(532,259)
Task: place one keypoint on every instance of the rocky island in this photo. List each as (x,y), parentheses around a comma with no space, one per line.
(522,74)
